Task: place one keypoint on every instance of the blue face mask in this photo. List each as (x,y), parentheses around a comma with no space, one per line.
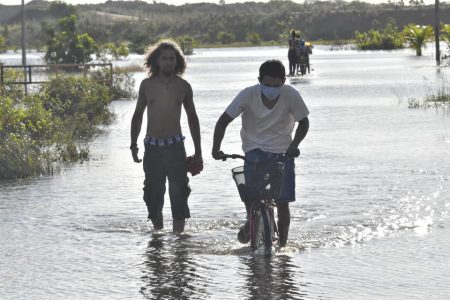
(271,92)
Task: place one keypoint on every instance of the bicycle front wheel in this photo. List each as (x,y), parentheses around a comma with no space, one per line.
(262,231)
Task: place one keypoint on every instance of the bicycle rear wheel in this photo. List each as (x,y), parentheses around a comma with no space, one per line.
(262,231)
(303,68)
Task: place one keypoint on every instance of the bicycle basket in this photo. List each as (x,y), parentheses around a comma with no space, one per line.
(239,179)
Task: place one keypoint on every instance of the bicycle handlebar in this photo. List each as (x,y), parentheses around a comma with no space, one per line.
(234,156)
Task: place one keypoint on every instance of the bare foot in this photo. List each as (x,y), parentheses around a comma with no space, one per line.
(157,222)
(178,226)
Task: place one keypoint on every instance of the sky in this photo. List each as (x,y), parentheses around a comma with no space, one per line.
(180,2)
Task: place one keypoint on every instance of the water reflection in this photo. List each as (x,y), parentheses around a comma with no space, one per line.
(169,271)
(273,278)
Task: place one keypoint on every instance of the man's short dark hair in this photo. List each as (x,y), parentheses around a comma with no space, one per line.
(273,68)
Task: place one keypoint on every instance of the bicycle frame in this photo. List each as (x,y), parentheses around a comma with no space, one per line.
(261,213)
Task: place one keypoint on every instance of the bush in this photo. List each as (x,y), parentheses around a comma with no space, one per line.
(40,130)
(122,86)
(117,51)
(253,38)
(81,102)
(387,39)
(2,44)
(225,37)
(26,130)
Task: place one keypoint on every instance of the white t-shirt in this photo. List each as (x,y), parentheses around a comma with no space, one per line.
(264,128)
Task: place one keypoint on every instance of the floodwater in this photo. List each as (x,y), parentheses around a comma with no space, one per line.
(371,220)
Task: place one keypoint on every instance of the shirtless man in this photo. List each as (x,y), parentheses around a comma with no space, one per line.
(163,93)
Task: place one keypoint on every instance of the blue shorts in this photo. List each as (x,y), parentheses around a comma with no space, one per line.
(254,179)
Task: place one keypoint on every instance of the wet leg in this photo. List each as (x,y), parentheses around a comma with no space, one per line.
(154,190)
(158,222)
(284,220)
(179,189)
(291,67)
(178,226)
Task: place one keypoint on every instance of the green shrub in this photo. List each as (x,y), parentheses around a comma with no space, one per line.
(225,37)
(22,158)
(82,103)
(26,131)
(122,86)
(253,38)
(387,39)
(2,44)
(41,130)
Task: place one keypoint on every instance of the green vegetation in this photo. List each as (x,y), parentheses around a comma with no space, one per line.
(414,36)
(66,46)
(117,51)
(253,38)
(2,44)
(43,129)
(436,99)
(138,24)
(186,43)
(386,39)
(445,31)
(417,36)
(225,37)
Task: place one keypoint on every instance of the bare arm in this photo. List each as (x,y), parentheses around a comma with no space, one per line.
(136,122)
(193,121)
(300,133)
(219,133)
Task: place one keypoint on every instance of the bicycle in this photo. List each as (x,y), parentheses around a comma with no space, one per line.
(303,64)
(262,225)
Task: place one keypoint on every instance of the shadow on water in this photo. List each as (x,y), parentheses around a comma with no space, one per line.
(169,270)
(275,277)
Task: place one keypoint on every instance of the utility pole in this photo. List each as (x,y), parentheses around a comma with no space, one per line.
(436,33)
(24,47)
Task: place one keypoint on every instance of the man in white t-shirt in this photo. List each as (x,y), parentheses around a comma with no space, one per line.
(269,111)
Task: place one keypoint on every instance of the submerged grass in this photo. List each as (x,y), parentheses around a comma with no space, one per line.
(439,99)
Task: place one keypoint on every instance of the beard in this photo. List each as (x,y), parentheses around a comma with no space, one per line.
(167,71)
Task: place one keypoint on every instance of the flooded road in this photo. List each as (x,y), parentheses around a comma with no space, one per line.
(371,219)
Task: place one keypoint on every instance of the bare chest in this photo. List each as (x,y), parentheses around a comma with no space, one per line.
(164,96)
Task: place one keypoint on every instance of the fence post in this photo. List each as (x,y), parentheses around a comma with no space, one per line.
(29,74)
(437,28)
(1,71)
(110,75)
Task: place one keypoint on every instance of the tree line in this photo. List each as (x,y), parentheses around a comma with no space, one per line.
(138,23)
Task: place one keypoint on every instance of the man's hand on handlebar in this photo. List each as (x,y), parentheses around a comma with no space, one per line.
(218,155)
(293,152)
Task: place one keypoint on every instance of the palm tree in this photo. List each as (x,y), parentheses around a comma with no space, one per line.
(445,33)
(417,36)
